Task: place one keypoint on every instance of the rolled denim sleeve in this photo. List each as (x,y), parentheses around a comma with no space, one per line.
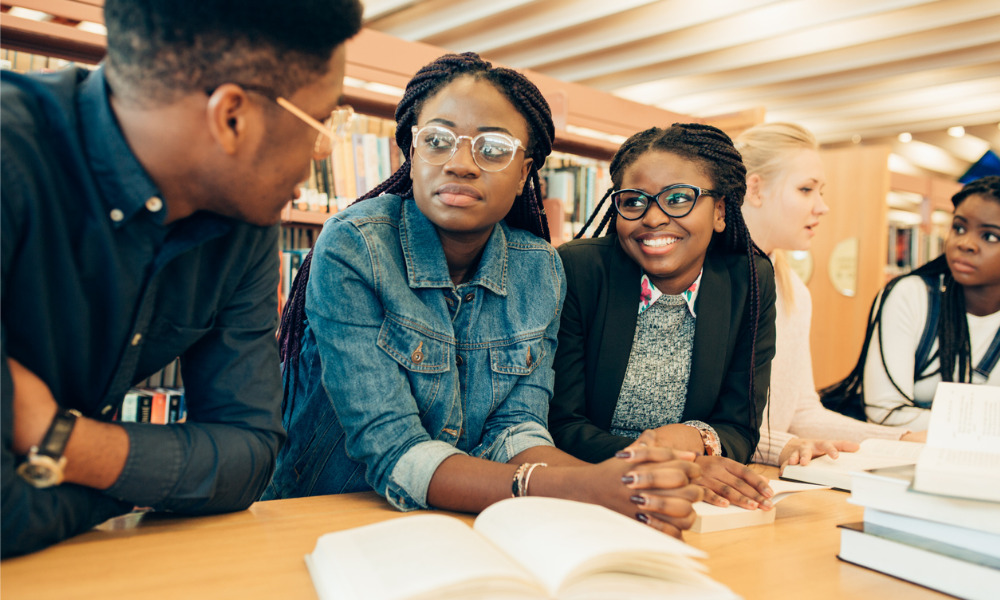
(369,391)
(223,456)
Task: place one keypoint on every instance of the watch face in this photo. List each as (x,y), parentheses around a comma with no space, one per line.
(41,471)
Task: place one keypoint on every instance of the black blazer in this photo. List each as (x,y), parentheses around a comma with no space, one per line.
(595,341)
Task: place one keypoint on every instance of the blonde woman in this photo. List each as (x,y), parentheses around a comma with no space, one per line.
(782,208)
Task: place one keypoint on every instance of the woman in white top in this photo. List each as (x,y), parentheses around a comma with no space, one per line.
(782,208)
(966,342)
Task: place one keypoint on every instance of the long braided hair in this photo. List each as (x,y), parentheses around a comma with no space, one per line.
(714,151)
(954,348)
(527,211)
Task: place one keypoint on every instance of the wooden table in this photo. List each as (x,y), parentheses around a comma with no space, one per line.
(258,553)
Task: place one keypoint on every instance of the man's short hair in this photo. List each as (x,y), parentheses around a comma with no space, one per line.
(159,50)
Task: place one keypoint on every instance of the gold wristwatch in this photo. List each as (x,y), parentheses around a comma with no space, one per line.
(45,463)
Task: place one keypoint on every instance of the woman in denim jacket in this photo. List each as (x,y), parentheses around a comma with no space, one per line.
(418,362)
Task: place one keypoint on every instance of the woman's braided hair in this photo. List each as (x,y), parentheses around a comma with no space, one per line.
(527,211)
(711,148)
(954,348)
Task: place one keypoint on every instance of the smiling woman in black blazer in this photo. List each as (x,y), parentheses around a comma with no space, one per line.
(692,373)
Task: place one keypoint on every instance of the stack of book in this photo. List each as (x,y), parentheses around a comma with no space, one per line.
(936,523)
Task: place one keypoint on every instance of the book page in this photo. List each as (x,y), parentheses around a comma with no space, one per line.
(963,443)
(558,540)
(418,556)
(965,417)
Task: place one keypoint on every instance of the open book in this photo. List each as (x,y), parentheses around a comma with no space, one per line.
(720,518)
(962,457)
(873,454)
(518,548)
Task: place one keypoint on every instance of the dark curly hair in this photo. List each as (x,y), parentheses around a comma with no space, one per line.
(527,211)
(711,148)
(159,50)
(954,348)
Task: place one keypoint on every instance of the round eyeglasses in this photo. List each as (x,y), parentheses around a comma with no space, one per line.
(675,201)
(492,150)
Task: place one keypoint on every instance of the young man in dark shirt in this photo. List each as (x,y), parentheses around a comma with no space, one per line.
(140,205)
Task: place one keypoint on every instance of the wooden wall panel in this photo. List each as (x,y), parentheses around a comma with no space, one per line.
(857,184)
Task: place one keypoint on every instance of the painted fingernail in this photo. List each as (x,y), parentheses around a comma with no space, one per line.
(768,492)
(752,504)
(767,504)
(628,479)
(623,454)
(637,499)
(642,518)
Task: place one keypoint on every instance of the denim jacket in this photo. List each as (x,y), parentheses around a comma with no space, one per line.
(400,369)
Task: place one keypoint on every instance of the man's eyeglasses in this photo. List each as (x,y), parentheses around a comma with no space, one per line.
(676,201)
(330,130)
(492,150)
(333,128)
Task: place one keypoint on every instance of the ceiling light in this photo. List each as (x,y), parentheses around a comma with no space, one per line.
(905,137)
(956,131)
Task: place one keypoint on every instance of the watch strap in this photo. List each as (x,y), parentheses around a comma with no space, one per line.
(54,442)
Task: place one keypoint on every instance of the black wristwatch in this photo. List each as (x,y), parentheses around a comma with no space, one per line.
(44,465)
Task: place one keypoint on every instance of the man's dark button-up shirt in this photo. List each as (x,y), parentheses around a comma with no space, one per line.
(98,294)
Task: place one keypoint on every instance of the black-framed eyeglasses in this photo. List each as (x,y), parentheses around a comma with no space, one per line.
(676,201)
(492,150)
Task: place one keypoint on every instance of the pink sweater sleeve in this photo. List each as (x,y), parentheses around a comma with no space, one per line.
(794,409)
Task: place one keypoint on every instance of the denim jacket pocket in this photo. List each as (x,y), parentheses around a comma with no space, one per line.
(423,355)
(510,362)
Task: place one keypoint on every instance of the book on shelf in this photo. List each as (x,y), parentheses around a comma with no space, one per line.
(889,490)
(710,517)
(962,457)
(873,454)
(153,405)
(931,563)
(527,547)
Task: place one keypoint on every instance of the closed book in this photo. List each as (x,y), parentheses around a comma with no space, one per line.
(158,409)
(711,518)
(174,405)
(888,489)
(145,406)
(939,566)
(873,454)
(130,407)
(976,540)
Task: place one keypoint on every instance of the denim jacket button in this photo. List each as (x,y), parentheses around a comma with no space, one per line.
(469,297)
(417,356)
(458,359)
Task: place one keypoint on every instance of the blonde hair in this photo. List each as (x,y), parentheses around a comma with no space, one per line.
(765,149)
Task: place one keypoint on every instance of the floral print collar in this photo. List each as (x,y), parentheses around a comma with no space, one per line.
(650,294)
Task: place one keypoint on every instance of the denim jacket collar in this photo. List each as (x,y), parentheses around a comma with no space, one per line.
(425,261)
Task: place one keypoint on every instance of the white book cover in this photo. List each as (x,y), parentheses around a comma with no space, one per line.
(720,518)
